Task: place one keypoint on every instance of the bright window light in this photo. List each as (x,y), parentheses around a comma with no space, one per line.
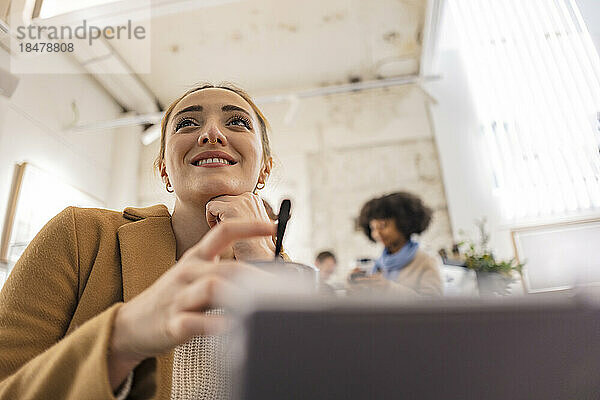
(33,210)
(535,78)
(51,8)
(3,276)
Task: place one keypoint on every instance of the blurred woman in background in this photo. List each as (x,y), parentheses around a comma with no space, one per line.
(393,220)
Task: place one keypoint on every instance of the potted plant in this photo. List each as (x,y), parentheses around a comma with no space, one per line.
(493,276)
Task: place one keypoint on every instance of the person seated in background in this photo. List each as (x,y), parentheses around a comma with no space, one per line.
(326,262)
(392,220)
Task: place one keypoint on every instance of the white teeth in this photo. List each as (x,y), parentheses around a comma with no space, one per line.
(212,160)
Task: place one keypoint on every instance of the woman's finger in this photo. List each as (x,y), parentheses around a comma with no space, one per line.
(205,293)
(196,268)
(227,232)
(188,324)
(214,212)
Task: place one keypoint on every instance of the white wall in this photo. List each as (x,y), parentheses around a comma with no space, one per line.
(340,151)
(125,161)
(468,177)
(32,128)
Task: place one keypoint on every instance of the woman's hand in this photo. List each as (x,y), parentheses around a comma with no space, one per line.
(367,282)
(172,310)
(247,206)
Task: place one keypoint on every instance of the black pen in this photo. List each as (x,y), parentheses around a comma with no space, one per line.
(282,220)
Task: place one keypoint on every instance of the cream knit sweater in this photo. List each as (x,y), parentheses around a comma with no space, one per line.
(201,369)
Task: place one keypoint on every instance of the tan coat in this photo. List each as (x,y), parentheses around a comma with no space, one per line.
(58,304)
(421,276)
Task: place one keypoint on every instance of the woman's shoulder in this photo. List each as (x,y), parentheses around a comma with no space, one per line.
(426,260)
(103,219)
(127,215)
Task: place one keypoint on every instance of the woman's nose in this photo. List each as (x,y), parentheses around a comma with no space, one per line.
(212,135)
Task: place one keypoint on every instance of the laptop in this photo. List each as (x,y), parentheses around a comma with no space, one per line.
(376,349)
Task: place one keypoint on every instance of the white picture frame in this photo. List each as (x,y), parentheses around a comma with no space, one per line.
(558,256)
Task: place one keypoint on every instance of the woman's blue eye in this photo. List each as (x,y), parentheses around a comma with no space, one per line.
(183,123)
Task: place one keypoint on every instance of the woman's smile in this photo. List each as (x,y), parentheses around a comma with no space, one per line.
(213,159)
(212,163)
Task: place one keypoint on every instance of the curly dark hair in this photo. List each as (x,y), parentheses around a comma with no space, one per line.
(407,210)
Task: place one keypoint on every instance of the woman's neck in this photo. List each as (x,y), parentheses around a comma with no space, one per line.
(189,225)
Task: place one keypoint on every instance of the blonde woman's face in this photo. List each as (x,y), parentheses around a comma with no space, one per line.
(213,146)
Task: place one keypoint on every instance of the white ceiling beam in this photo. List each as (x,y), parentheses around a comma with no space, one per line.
(113,73)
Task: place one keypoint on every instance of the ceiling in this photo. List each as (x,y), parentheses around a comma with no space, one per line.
(274,46)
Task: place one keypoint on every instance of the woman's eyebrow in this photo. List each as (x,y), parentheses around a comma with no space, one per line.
(193,108)
(231,107)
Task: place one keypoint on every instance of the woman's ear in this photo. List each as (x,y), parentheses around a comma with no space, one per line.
(163,172)
(265,171)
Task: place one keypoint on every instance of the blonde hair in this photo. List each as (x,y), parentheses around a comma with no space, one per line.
(265,128)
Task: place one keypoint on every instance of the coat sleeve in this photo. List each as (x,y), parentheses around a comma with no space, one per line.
(37,302)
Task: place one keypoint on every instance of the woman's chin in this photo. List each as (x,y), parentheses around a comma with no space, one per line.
(209,190)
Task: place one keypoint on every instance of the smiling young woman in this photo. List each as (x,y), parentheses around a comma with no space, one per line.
(103,302)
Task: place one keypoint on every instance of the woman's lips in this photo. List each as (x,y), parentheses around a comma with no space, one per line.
(213,165)
(207,157)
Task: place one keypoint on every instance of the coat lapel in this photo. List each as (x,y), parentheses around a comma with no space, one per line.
(147,248)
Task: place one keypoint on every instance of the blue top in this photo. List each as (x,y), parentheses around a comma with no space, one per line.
(391,264)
